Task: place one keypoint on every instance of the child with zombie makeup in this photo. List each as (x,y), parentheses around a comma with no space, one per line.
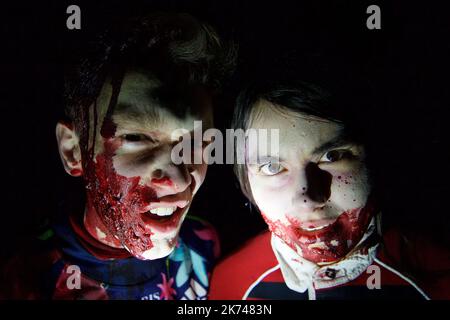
(127,99)
(318,199)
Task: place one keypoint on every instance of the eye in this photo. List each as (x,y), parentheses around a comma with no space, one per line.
(135,137)
(335,155)
(271,168)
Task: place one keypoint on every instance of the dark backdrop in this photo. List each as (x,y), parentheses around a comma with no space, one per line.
(406,63)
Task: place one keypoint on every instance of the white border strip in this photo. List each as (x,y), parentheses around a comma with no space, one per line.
(254,284)
(403,277)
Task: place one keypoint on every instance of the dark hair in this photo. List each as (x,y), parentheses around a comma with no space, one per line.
(174,47)
(302,97)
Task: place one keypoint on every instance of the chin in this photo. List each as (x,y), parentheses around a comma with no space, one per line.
(160,249)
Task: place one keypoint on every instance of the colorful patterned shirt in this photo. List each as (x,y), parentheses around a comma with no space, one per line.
(68,263)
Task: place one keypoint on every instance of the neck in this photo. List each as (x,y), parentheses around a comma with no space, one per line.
(97,229)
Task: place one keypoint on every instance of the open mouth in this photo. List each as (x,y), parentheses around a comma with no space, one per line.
(311,228)
(163,211)
(163,219)
(165,214)
(313,225)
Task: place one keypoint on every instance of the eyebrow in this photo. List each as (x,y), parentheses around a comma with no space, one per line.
(340,140)
(260,157)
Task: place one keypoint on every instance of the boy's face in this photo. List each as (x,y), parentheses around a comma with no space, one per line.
(139,195)
(315,197)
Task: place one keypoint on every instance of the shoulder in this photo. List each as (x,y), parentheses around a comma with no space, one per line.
(421,258)
(27,275)
(236,273)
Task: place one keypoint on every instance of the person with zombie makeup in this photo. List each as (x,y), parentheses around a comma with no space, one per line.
(319,201)
(127,100)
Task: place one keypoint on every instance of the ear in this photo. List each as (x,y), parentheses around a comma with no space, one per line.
(69,149)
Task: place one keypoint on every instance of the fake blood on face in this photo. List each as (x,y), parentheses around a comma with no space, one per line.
(329,243)
(121,201)
(117,199)
(166,181)
(76,172)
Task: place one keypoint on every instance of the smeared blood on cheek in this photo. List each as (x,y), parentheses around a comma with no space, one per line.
(121,202)
(330,243)
(118,200)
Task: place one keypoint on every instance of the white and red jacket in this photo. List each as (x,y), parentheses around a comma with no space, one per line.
(259,271)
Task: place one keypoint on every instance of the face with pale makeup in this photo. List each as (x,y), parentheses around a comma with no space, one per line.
(136,197)
(315,195)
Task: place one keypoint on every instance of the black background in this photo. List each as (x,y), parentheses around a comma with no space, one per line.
(406,62)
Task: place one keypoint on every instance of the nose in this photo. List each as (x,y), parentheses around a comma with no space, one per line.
(171,179)
(314,187)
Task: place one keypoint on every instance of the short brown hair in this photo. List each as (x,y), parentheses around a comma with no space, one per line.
(174,47)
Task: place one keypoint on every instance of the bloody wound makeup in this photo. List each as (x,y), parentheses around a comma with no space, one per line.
(316,197)
(329,243)
(126,88)
(123,203)
(142,211)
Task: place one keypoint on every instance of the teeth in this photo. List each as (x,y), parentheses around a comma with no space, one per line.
(316,228)
(167,211)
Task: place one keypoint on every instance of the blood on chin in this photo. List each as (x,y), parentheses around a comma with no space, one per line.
(157,230)
(328,244)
